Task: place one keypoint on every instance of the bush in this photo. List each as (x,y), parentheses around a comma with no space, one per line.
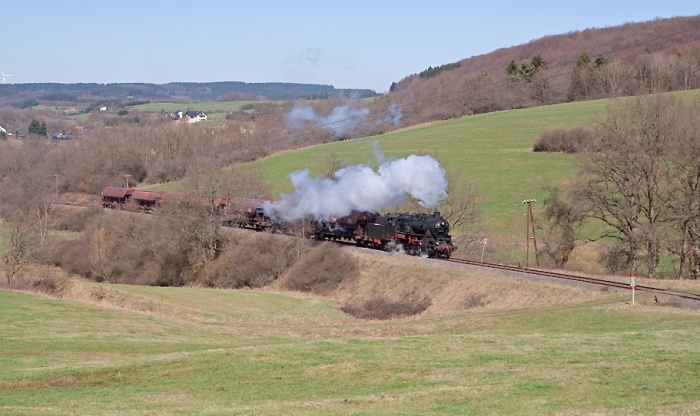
(121,249)
(322,270)
(563,140)
(381,308)
(254,260)
(615,258)
(46,280)
(73,256)
(75,220)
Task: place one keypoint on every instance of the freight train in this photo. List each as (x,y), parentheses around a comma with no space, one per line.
(416,234)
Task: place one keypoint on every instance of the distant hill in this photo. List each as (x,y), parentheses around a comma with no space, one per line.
(630,59)
(178,91)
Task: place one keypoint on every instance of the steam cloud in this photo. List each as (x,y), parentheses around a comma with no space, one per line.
(361,188)
(340,121)
(393,115)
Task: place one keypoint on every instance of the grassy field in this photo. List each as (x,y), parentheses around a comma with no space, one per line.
(187,351)
(491,150)
(212,106)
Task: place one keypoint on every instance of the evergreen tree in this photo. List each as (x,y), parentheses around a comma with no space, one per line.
(37,127)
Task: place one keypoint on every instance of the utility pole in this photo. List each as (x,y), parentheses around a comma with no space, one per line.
(127,180)
(56,175)
(530,223)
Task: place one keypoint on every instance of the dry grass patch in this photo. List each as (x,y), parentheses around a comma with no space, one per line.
(381,308)
(323,269)
(401,278)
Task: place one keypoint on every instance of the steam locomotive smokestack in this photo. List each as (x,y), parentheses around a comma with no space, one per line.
(361,188)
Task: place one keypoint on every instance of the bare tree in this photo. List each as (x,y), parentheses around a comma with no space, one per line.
(329,164)
(101,247)
(192,229)
(623,179)
(561,220)
(685,180)
(22,242)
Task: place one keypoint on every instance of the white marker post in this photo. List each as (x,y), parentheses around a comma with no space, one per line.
(633,285)
(486,240)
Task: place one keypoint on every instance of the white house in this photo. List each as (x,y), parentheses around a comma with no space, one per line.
(195,116)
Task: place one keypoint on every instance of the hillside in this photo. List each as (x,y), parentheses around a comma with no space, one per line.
(669,36)
(15,94)
(489,345)
(488,154)
(631,59)
(489,150)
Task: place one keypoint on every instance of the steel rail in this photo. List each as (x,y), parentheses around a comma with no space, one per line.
(585,279)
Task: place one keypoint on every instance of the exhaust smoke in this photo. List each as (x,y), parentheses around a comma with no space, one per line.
(361,188)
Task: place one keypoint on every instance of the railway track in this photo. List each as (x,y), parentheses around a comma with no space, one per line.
(591,280)
(585,279)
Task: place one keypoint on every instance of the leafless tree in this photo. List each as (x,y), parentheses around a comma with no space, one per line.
(623,181)
(23,241)
(102,246)
(329,164)
(561,221)
(685,180)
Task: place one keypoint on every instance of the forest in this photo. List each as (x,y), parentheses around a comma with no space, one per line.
(16,94)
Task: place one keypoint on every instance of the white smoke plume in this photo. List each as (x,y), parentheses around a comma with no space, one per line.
(361,188)
(340,121)
(393,115)
(378,155)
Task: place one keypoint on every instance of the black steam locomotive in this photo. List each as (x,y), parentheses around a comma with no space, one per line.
(416,234)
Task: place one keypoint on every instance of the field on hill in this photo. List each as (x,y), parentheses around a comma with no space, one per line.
(490,150)
(216,110)
(512,347)
(209,106)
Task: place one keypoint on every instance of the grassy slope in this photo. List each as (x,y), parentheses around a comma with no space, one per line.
(204,106)
(144,350)
(491,150)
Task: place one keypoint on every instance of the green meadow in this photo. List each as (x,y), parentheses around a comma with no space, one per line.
(188,351)
(490,150)
(210,106)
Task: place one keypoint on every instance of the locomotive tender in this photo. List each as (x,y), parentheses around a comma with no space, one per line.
(416,234)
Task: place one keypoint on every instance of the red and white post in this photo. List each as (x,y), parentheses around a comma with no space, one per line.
(633,285)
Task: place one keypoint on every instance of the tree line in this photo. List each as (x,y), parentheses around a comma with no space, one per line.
(637,189)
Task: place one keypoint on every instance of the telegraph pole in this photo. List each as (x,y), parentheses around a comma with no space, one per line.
(56,175)
(530,224)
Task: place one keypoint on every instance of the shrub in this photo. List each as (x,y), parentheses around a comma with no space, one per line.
(46,280)
(615,258)
(381,308)
(254,260)
(322,270)
(73,256)
(75,220)
(474,301)
(563,140)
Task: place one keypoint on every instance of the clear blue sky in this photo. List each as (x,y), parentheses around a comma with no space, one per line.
(348,44)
